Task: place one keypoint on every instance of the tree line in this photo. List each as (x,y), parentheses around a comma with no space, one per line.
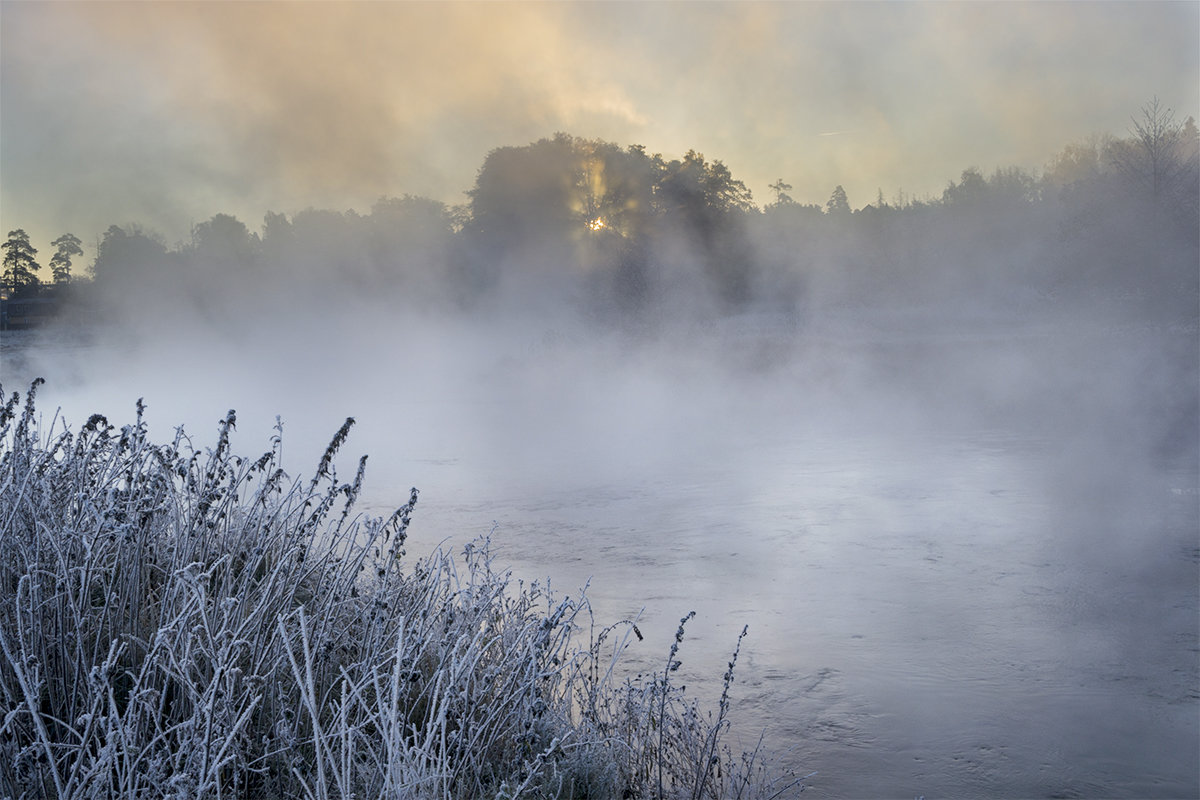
(585,221)
(20,261)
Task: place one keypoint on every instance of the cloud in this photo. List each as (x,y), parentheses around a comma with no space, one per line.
(166,113)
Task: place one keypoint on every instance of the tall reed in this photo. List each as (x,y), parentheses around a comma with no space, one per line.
(181,623)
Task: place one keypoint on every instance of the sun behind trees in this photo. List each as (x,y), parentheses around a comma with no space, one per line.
(633,223)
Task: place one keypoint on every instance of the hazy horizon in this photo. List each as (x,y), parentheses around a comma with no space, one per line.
(164,114)
(942,459)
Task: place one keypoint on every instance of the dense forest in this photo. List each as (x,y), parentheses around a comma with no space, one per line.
(618,233)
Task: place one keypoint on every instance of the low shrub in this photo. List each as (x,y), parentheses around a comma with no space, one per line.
(182,623)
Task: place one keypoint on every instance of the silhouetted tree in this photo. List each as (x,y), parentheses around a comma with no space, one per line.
(1076,165)
(781,189)
(20,265)
(587,213)
(330,245)
(127,256)
(276,235)
(788,239)
(1153,219)
(274,224)
(705,209)
(969,191)
(1156,155)
(1012,186)
(224,242)
(699,188)
(68,246)
(529,198)
(838,204)
(1188,196)
(408,242)
(573,211)
(618,187)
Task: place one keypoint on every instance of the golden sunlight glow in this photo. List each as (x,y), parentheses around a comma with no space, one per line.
(596,224)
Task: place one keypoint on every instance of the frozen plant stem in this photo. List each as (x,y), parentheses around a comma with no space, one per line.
(186,622)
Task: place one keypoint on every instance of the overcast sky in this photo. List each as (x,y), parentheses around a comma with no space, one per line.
(167,113)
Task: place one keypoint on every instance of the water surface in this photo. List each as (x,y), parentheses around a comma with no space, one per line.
(968,559)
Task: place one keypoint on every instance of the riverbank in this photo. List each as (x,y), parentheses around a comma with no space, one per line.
(185,621)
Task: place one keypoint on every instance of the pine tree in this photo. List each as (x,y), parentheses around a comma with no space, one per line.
(20,268)
(838,204)
(60,263)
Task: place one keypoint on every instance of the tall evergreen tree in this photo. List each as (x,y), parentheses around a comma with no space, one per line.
(20,266)
(839,204)
(68,246)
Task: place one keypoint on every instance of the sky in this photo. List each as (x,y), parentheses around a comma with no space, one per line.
(166,113)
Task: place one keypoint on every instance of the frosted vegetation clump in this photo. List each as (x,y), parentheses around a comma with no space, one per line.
(180,621)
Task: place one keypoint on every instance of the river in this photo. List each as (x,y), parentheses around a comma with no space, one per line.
(969,561)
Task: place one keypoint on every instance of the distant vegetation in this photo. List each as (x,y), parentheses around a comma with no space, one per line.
(615,230)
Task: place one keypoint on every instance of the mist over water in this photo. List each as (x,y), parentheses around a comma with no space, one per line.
(940,452)
(967,552)
(940,457)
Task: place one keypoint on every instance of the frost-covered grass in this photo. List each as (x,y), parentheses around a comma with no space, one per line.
(181,622)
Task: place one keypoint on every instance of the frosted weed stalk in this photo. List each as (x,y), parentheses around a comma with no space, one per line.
(183,623)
